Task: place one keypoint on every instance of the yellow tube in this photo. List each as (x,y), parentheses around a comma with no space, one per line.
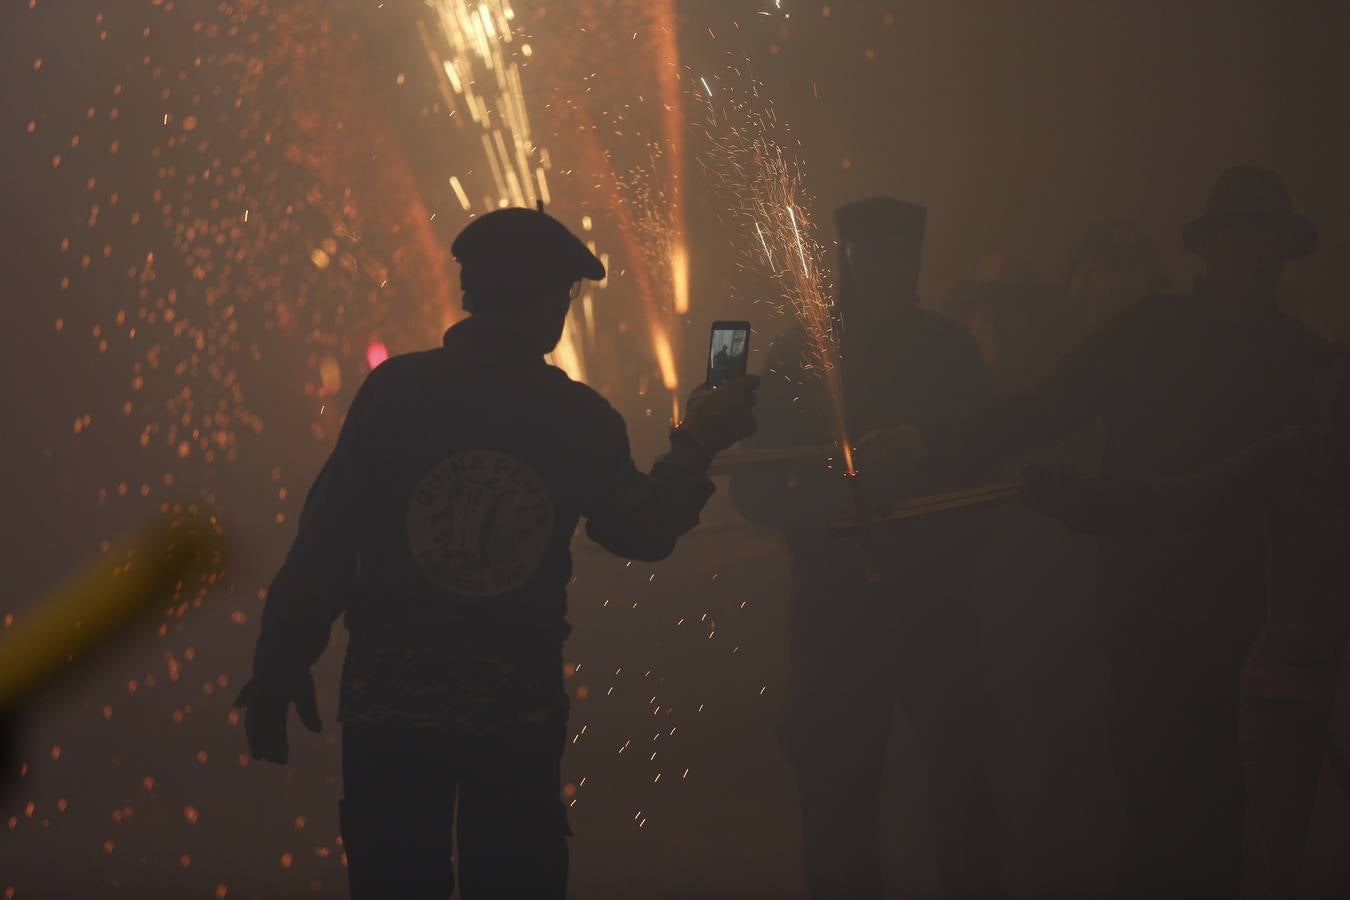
(105,596)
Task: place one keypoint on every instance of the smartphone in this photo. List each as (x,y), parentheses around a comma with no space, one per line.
(728,352)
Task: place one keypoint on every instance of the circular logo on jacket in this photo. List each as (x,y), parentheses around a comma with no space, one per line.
(480,523)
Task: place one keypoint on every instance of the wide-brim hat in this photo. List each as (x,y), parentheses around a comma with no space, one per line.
(1245,193)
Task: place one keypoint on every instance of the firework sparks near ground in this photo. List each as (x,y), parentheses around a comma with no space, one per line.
(769,200)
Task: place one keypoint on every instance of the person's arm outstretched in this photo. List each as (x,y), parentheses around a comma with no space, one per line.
(639,516)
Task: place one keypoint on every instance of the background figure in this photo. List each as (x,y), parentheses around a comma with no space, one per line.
(1019,325)
(1296,485)
(1037,585)
(1179,383)
(721,365)
(911,640)
(1109,267)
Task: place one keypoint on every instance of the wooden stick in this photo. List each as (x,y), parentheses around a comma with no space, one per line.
(892,515)
(732,460)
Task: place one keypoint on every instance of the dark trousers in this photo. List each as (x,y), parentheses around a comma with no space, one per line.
(402,789)
(856,663)
(1176,733)
(1283,745)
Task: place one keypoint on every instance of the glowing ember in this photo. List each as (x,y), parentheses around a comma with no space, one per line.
(376,353)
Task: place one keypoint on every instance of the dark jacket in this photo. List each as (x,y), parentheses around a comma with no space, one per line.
(1178,384)
(1296,487)
(441,526)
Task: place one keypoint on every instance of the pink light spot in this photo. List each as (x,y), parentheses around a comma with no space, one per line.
(376,353)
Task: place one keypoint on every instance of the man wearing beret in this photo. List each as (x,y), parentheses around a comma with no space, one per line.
(1179,383)
(440,526)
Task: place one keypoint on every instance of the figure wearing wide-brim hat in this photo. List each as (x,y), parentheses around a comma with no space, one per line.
(1251,193)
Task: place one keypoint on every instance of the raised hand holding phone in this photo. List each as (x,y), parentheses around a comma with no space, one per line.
(728,352)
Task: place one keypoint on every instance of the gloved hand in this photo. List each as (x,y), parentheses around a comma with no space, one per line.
(267,705)
(1054,490)
(717,418)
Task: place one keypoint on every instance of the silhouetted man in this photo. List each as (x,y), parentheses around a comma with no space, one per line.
(441,527)
(1179,383)
(721,364)
(861,647)
(1296,487)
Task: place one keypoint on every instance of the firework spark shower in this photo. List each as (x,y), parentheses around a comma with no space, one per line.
(223,220)
(765,186)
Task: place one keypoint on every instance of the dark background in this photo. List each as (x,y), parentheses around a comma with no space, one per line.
(1016,123)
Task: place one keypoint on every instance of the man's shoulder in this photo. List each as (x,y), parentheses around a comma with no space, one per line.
(406,367)
(393,380)
(583,401)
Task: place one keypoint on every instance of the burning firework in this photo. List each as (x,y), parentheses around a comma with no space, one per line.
(769,199)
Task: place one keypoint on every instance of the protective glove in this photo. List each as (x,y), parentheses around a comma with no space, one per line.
(717,418)
(267,703)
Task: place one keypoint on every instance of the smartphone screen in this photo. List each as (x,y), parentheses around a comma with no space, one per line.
(728,352)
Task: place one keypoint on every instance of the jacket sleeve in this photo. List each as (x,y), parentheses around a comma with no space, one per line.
(311,589)
(641,516)
(1243,486)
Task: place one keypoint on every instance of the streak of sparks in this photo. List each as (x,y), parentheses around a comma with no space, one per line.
(768,195)
(672,127)
(647,212)
(797,235)
(459,193)
(768,254)
(650,226)
(478,75)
